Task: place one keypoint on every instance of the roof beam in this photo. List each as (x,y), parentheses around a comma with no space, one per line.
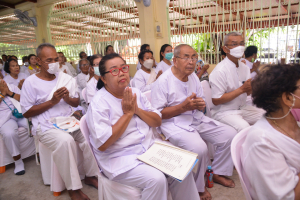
(32,1)
(8,5)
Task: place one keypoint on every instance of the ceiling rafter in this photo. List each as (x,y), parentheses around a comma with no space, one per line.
(8,5)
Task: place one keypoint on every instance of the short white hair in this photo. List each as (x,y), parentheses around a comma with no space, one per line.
(41,46)
(231,34)
(178,49)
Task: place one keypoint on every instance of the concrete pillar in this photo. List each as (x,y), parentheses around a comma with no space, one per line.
(149,18)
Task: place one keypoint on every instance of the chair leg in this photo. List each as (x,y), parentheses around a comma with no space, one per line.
(2,169)
(56,194)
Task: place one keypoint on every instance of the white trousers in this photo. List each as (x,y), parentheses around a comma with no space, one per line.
(63,147)
(219,135)
(10,134)
(249,115)
(155,185)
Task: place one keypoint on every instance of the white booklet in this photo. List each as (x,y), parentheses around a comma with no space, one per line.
(171,160)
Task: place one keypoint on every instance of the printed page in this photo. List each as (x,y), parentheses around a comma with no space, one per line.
(170,160)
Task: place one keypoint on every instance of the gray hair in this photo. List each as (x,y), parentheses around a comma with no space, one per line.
(41,46)
(178,49)
(84,59)
(231,34)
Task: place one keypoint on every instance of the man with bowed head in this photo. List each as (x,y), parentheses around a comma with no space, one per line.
(40,106)
(230,83)
(178,95)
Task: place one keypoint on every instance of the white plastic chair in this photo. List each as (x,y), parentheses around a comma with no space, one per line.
(209,105)
(207,94)
(236,148)
(148,95)
(50,172)
(27,148)
(83,92)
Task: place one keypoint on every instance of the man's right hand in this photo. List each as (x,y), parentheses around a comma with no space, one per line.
(192,103)
(58,95)
(246,87)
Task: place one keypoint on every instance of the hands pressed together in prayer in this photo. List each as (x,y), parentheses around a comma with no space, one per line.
(21,84)
(193,102)
(158,74)
(129,103)
(3,87)
(61,93)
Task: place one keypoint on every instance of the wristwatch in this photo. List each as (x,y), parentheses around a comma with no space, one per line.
(12,96)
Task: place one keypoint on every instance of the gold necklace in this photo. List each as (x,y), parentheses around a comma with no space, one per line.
(286,133)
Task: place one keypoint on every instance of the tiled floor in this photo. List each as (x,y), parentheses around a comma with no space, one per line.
(30,186)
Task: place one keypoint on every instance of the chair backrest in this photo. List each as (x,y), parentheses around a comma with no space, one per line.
(236,148)
(207,94)
(148,95)
(83,92)
(85,130)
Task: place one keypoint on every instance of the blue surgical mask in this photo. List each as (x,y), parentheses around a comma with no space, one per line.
(96,71)
(169,56)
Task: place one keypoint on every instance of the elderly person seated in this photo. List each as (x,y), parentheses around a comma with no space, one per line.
(62,67)
(65,63)
(270,152)
(14,77)
(33,67)
(91,86)
(230,83)
(146,76)
(120,126)
(10,122)
(178,95)
(51,94)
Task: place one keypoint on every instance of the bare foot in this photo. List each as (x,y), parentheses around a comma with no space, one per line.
(91,181)
(223,180)
(205,195)
(77,195)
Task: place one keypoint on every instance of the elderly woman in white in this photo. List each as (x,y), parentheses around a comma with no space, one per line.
(146,76)
(9,124)
(120,126)
(14,76)
(270,153)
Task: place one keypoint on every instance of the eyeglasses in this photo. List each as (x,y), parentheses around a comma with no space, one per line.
(84,65)
(187,59)
(234,44)
(116,71)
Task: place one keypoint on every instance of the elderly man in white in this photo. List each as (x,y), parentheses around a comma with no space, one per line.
(38,103)
(178,95)
(230,83)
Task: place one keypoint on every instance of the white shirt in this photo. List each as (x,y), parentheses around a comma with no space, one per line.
(10,80)
(35,91)
(82,80)
(71,68)
(121,156)
(270,163)
(91,89)
(225,78)
(6,113)
(168,91)
(163,66)
(140,80)
(78,69)
(250,65)
(65,67)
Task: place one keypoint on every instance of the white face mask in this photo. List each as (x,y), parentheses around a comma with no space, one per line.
(237,52)
(53,68)
(1,66)
(148,63)
(26,63)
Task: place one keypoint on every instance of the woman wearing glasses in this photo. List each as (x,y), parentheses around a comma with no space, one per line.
(14,76)
(120,126)
(146,76)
